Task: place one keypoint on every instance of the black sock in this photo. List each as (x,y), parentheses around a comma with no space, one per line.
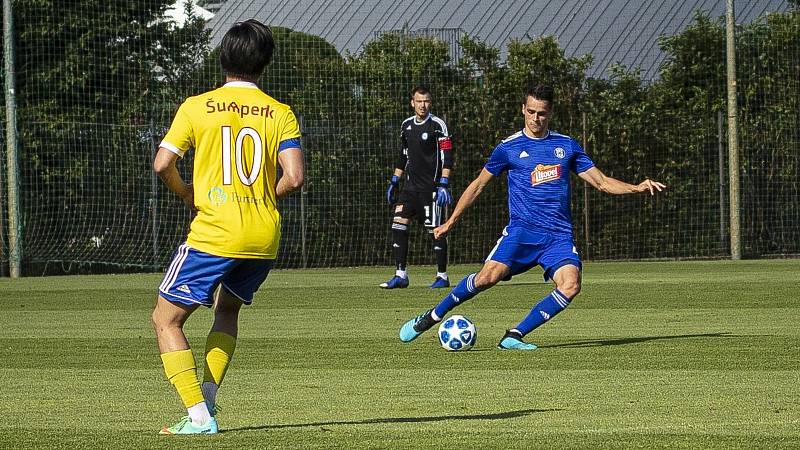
(512,333)
(400,245)
(440,250)
(426,323)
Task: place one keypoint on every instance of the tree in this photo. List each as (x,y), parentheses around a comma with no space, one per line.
(93,78)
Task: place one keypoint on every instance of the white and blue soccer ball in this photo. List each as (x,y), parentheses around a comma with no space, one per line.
(457,333)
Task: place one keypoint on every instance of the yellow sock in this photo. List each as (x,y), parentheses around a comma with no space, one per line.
(182,373)
(219,351)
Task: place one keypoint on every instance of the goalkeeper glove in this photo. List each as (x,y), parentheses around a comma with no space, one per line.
(391,193)
(443,196)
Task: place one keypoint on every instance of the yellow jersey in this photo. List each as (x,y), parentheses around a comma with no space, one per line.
(236,132)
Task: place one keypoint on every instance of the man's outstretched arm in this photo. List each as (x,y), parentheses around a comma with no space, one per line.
(466,200)
(611,185)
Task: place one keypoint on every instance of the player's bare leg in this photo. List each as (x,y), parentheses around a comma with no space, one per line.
(226,313)
(490,274)
(168,319)
(568,280)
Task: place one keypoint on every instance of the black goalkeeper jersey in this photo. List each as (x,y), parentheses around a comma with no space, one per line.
(426,150)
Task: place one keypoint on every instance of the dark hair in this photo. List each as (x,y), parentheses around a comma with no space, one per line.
(421,90)
(246,49)
(540,92)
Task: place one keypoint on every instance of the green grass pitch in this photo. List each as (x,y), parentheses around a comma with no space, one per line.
(650,355)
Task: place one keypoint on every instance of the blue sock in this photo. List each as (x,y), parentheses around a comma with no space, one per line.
(464,291)
(554,303)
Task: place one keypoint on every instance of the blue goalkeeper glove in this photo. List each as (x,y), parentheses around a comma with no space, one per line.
(391,193)
(443,196)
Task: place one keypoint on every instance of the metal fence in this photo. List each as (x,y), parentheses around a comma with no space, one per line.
(96,87)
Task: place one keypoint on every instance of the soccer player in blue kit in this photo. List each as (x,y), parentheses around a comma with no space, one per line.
(539,232)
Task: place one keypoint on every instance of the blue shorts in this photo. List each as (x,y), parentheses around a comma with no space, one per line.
(193,276)
(521,249)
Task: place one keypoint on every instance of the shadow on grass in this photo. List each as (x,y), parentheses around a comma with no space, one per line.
(634,340)
(495,416)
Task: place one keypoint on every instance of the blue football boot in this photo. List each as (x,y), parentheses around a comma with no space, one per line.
(440,282)
(395,283)
(513,341)
(416,326)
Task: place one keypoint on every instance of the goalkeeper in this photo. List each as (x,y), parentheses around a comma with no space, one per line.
(424,164)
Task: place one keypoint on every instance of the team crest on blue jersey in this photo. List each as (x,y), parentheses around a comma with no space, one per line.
(217,196)
(559,152)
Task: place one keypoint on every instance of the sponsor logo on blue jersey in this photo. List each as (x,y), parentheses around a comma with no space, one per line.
(543,174)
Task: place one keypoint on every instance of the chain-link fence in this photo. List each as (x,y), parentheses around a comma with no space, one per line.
(98,82)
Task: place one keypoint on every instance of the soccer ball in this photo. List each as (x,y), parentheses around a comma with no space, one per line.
(457,333)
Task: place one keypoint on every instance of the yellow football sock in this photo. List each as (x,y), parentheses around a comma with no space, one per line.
(219,351)
(182,373)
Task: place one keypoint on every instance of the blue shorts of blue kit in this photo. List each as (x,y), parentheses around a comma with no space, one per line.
(193,276)
(521,249)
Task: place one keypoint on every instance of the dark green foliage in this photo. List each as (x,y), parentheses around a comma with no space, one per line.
(769,97)
(98,84)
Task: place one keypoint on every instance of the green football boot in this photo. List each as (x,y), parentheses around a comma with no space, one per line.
(185,426)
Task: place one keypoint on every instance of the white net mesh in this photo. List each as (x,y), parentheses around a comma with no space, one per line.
(97,85)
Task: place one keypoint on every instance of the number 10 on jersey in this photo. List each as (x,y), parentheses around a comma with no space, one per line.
(258,153)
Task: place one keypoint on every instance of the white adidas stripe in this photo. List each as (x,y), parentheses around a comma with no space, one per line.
(174,268)
(491,253)
(471,283)
(560,299)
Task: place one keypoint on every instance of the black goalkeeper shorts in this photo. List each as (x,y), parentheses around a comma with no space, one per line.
(421,205)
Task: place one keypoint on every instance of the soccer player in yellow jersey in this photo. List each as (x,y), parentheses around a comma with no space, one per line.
(239,135)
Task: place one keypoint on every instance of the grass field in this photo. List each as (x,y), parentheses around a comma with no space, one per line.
(651,355)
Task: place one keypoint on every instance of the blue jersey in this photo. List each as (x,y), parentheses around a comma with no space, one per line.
(538,179)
